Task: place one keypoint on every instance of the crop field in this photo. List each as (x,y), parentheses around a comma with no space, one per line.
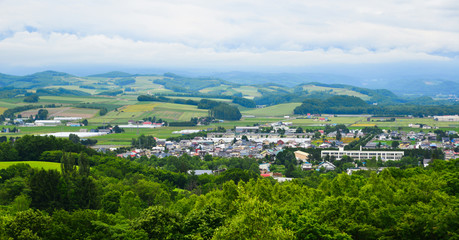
(165,111)
(337,91)
(3,109)
(218,88)
(199,98)
(333,120)
(248,91)
(64,112)
(273,111)
(74,87)
(42,130)
(34,164)
(363,125)
(139,107)
(124,139)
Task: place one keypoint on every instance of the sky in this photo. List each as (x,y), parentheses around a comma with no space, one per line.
(222,35)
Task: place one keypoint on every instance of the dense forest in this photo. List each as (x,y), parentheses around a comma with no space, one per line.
(354,105)
(100,196)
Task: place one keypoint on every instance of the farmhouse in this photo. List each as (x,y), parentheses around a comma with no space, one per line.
(360,155)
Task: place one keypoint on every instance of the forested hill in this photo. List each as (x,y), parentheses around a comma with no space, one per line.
(172,84)
(151,198)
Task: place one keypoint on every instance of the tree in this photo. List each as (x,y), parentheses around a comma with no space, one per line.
(299,130)
(255,220)
(42,114)
(117,129)
(338,135)
(83,164)
(30,224)
(130,205)
(85,122)
(395,144)
(32,98)
(74,138)
(44,189)
(159,223)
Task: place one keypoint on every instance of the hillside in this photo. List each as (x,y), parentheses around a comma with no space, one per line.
(116,83)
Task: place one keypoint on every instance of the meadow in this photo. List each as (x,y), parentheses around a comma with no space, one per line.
(280,110)
(34,164)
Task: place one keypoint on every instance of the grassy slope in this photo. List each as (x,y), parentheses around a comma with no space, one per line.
(273,111)
(34,164)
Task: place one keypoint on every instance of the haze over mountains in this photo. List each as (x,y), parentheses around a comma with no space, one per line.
(409,85)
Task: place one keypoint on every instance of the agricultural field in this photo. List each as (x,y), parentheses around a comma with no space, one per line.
(199,98)
(64,112)
(34,164)
(3,109)
(74,87)
(285,109)
(42,130)
(165,111)
(337,91)
(248,91)
(333,120)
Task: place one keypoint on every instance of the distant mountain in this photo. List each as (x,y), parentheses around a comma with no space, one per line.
(285,79)
(114,74)
(419,87)
(39,79)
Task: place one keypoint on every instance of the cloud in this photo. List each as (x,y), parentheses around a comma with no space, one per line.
(226,33)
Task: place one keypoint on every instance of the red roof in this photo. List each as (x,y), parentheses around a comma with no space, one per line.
(266,175)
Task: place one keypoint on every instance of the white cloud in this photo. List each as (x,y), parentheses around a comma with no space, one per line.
(226,33)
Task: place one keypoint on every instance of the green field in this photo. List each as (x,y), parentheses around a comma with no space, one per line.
(280,110)
(337,91)
(34,164)
(165,111)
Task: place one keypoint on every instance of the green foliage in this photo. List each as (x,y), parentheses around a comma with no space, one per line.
(124,81)
(144,142)
(31,98)
(60,92)
(159,223)
(226,112)
(244,102)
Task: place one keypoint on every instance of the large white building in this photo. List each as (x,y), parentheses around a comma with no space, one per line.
(361,155)
(450,118)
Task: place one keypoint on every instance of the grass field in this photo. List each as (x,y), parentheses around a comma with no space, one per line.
(34,164)
(333,120)
(3,109)
(64,112)
(248,91)
(273,111)
(337,91)
(165,111)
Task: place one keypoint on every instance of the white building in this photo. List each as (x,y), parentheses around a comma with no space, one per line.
(360,155)
(246,129)
(68,118)
(47,122)
(450,118)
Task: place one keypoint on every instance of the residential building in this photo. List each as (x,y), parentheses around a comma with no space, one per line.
(360,155)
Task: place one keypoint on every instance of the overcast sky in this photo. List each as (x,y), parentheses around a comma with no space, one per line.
(229,35)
